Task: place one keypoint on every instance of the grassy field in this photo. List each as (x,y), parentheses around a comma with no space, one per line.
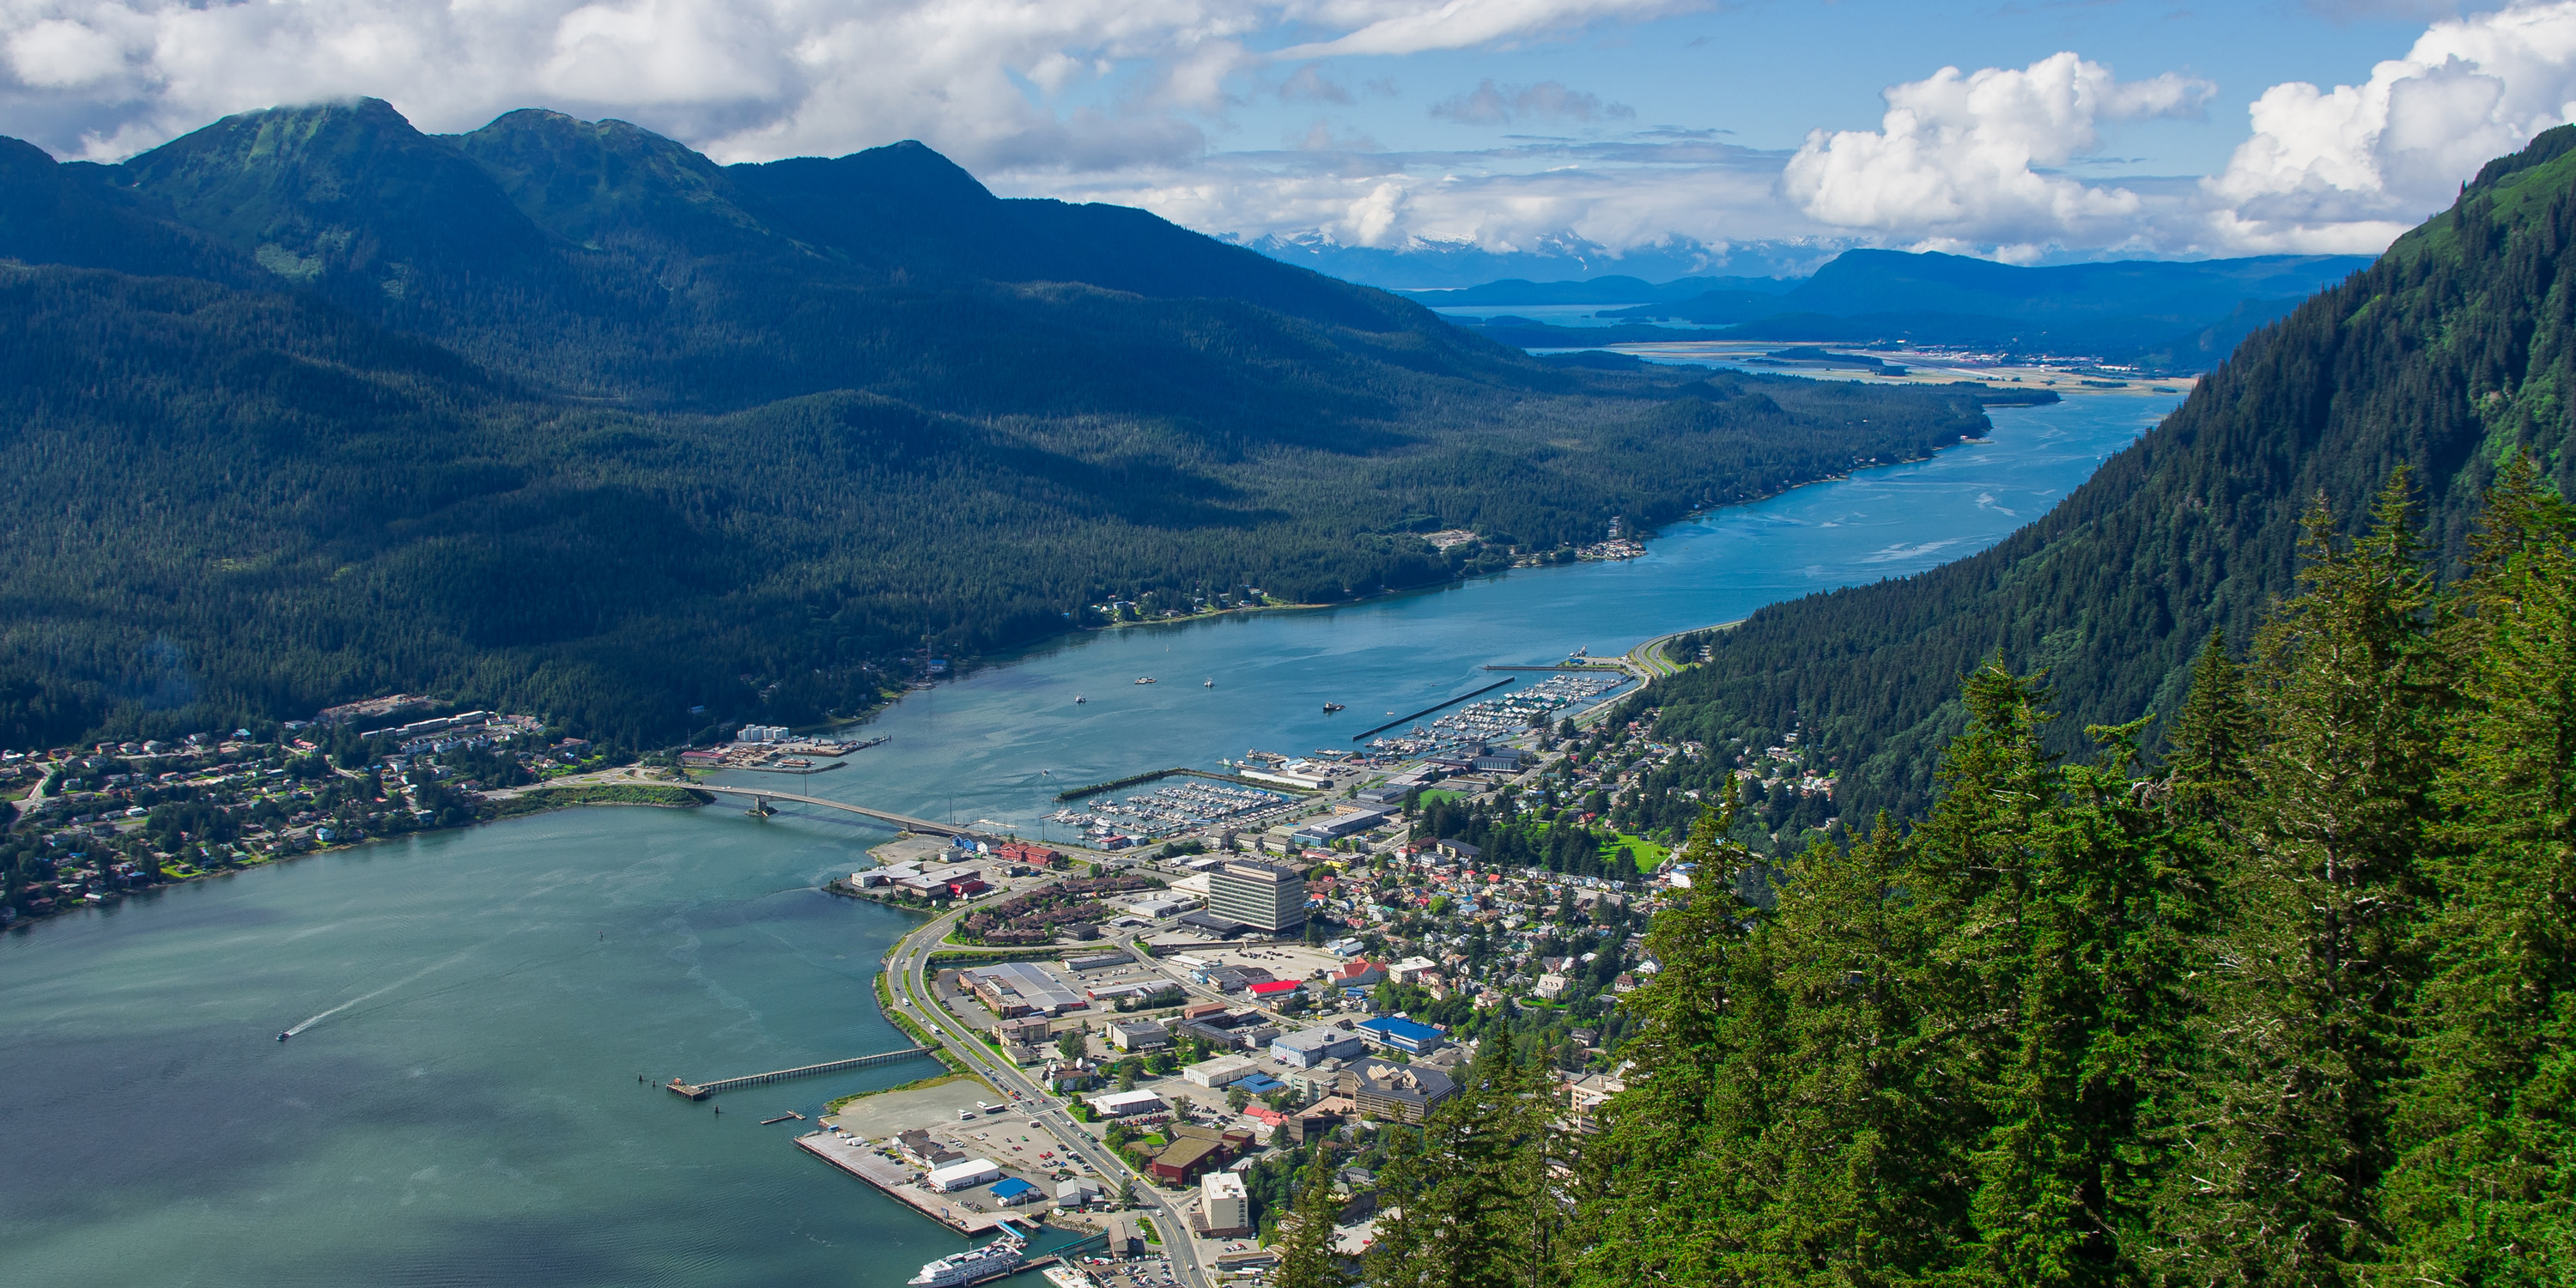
(546,798)
(1647,853)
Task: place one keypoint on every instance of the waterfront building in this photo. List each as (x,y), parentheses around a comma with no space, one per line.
(1020,988)
(965,1175)
(1264,896)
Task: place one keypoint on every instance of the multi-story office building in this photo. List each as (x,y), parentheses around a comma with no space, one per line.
(1264,896)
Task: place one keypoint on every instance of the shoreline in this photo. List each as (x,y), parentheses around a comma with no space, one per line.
(958,671)
(30,921)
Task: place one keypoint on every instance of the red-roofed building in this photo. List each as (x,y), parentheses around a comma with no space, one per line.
(1273,988)
(1027,852)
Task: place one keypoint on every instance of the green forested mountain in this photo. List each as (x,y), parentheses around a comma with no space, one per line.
(2451,350)
(2295,1010)
(309,405)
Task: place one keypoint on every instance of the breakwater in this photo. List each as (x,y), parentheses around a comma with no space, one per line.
(1077,793)
(1437,706)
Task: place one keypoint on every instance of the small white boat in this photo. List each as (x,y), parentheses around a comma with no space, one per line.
(1078,699)
(1144,679)
(1210,683)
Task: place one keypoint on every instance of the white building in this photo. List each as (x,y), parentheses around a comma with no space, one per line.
(1224,1205)
(1413,970)
(1081,1191)
(958,1176)
(1550,987)
(1122,1104)
(1219,1072)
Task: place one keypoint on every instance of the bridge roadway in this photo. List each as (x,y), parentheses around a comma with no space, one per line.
(905,821)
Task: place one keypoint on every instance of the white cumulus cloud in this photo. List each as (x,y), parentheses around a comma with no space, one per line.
(2351,167)
(1964,158)
(1062,84)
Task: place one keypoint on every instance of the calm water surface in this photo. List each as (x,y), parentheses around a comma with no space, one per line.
(466,1113)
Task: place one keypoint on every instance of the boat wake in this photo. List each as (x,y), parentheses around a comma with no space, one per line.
(376,994)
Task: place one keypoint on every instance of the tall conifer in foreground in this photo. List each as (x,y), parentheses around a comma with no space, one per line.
(2315,971)
(2484,1191)
(1306,1255)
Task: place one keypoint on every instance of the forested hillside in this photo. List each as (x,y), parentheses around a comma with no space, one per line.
(2452,350)
(2295,1010)
(310,406)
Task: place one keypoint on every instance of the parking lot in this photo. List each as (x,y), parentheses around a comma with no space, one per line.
(1130,1272)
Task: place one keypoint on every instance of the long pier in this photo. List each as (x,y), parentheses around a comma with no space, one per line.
(702,1090)
(1429,709)
(904,821)
(1596,667)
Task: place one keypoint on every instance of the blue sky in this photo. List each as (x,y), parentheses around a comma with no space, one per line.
(2024,131)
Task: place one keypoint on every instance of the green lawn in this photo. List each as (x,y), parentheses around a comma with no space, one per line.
(1647,853)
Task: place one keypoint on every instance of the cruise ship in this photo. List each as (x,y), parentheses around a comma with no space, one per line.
(974,1266)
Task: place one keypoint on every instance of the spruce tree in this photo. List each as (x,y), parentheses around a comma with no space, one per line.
(2288,1135)
(1857,1172)
(1703,1058)
(1306,1255)
(2484,1192)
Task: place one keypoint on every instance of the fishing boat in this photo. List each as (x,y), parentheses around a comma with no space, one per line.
(1144,679)
(1331,707)
(1208,683)
(975,1265)
(1078,699)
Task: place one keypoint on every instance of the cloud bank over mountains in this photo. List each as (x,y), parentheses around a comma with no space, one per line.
(1139,101)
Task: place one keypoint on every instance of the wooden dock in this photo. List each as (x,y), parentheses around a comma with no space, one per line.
(702,1090)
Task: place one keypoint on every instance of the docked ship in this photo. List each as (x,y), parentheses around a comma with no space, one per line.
(1000,1257)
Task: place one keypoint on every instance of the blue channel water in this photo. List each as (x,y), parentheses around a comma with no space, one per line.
(467,1112)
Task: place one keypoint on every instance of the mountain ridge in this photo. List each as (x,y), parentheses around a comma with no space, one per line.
(2448,352)
(561,415)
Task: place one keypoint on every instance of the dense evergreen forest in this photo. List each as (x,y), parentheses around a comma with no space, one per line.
(2454,349)
(559,415)
(2296,1008)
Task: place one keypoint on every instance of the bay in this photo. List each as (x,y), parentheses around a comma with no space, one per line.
(466,1110)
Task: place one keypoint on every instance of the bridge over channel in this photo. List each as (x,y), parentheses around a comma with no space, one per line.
(904,821)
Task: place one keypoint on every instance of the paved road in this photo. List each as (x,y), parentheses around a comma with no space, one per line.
(908,967)
(1648,659)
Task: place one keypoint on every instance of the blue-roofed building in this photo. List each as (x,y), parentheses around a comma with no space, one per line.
(1398,1033)
(1011,1191)
(1260,1084)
